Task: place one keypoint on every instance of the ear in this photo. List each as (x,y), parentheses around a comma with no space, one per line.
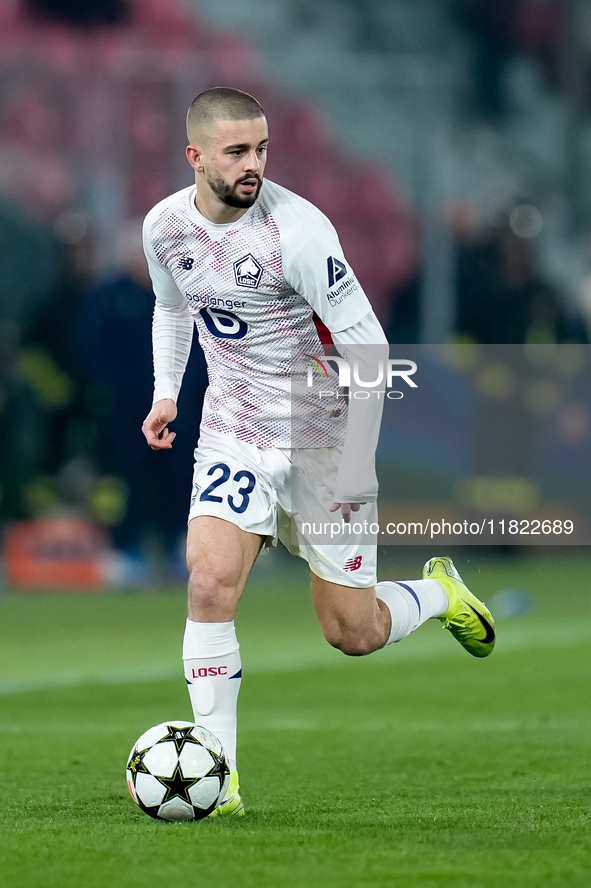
(195,157)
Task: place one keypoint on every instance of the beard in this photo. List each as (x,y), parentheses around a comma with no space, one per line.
(228,194)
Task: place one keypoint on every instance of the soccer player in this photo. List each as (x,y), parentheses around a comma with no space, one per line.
(250,264)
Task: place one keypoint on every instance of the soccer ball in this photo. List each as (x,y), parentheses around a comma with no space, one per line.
(177,771)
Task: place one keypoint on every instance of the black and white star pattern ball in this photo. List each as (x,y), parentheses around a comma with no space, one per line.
(177,771)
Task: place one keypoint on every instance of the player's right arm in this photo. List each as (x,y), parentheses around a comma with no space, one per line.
(172,334)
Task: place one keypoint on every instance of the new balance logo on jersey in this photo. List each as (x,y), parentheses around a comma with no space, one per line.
(353,563)
(336,271)
(186,262)
(248,272)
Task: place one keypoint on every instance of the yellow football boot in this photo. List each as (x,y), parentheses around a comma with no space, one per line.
(467,618)
(232,803)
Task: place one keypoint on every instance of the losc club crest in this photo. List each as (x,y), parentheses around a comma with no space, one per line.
(248,272)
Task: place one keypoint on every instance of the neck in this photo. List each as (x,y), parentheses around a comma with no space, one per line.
(218,212)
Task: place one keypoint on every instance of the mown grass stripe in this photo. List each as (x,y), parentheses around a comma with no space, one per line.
(529,638)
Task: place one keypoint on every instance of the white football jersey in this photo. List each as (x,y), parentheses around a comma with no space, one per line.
(252,288)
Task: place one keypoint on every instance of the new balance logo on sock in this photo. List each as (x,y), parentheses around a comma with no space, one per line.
(208,671)
(353,563)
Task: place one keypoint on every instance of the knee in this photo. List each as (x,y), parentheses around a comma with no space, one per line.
(208,591)
(352,644)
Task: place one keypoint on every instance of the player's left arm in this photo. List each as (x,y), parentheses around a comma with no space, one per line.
(316,267)
(365,346)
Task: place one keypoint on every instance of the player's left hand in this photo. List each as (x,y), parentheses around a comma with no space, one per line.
(346,509)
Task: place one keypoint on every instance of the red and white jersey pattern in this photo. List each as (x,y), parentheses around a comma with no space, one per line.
(252,288)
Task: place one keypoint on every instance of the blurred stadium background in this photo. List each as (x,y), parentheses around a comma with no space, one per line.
(448,141)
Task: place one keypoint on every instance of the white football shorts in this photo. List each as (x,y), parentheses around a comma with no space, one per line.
(251,487)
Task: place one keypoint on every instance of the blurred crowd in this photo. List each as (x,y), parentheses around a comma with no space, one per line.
(501,297)
(502,29)
(91,118)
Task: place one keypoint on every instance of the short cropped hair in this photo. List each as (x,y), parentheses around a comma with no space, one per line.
(221,103)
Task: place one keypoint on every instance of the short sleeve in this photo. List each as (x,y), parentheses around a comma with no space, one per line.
(314,265)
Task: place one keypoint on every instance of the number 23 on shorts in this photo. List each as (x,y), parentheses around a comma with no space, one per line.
(240,499)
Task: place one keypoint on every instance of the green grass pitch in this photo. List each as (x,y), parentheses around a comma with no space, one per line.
(416,767)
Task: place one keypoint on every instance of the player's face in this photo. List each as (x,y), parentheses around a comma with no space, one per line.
(234,160)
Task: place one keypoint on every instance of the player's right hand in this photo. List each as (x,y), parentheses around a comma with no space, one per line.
(155,425)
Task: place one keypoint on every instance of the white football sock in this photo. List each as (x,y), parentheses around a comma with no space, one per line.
(411,603)
(213,670)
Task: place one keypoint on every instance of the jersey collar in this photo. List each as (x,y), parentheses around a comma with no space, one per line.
(203,222)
